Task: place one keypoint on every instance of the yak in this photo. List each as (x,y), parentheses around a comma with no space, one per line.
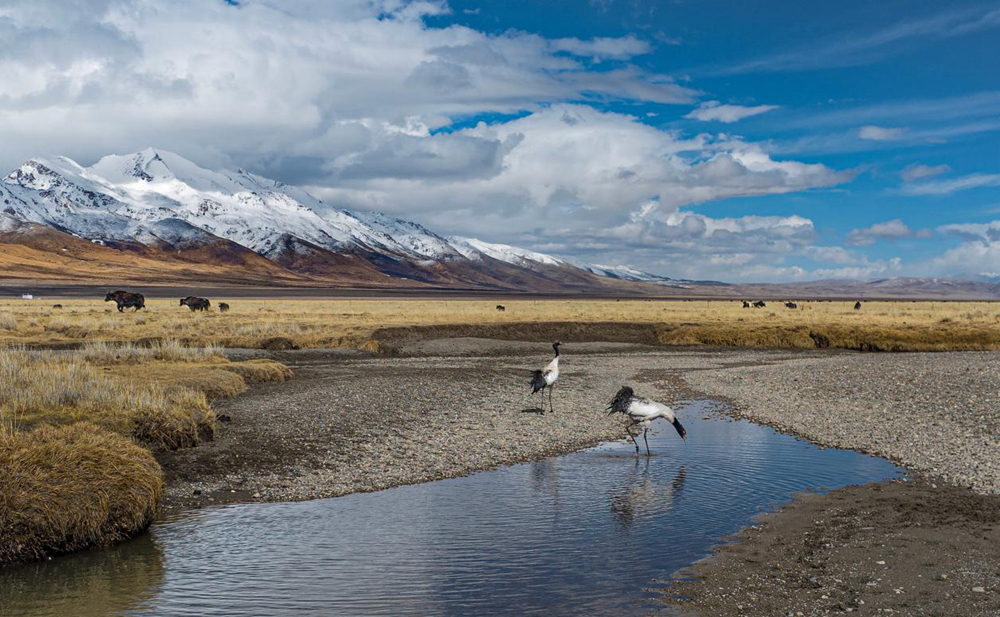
(223,307)
(746,304)
(791,305)
(759,304)
(195,303)
(857,305)
(126,299)
(501,308)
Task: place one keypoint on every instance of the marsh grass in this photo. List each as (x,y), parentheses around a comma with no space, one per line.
(65,488)
(73,469)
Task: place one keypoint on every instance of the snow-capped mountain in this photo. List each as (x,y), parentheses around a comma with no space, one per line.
(159,199)
(106,200)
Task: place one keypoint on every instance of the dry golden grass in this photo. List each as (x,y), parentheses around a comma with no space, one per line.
(276,323)
(73,474)
(72,487)
(158,395)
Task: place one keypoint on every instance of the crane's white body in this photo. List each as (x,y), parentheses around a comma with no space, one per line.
(645,411)
(551,372)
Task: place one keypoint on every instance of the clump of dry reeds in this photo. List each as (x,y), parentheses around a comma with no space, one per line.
(8,322)
(103,352)
(51,389)
(71,487)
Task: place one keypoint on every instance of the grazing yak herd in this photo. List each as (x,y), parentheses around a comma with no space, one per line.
(136,301)
(788,305)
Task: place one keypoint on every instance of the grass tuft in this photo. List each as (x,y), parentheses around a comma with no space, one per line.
(72,487)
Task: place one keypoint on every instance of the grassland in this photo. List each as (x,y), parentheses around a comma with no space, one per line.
(889,326)
(78,429)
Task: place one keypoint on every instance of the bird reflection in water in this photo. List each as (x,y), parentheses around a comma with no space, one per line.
(644,496)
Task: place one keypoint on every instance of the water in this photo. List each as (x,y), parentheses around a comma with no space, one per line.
(585,533)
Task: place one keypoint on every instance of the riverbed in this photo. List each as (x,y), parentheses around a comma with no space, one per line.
(590,532)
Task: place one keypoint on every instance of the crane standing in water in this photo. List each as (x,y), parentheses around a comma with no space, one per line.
(546,378)
(642,411)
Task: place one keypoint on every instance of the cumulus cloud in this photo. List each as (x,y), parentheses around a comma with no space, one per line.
(978,252)
(880,133)
(917,171)
(566,172)
(714,110)
(224,83)
(895,229)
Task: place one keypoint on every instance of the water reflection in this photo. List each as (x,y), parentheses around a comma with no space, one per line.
(643,496)
(583,534)
(87,584)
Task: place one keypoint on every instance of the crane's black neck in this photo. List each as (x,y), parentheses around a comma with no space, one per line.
(556,347)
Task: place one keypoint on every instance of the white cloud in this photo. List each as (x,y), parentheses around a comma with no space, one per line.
(568,171)
(895,229)
(917,171)
(879,133)
(713,110)
(979,251)
(944,187)
(603,48)
(233,85)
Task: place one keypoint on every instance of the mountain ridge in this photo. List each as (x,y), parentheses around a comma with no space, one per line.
(237,225)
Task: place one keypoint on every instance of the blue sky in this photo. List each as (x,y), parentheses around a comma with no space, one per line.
(726,140)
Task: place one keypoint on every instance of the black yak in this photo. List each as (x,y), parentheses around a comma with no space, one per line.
(223,307)
(195,303)
(126,298)
(501,308)
(791,305)
(857,305)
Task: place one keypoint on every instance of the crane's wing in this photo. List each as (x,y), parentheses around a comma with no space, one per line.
(537,381)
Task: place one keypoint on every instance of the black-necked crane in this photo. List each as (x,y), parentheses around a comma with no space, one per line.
(642,411)
(546,378)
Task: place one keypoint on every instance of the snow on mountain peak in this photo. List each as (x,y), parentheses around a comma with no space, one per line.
(503,252)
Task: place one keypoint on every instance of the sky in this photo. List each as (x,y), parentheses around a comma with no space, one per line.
(726,140)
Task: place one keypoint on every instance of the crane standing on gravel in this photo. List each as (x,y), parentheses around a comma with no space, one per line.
(546,378)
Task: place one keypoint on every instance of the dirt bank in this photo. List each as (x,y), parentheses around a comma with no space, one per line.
(898,548)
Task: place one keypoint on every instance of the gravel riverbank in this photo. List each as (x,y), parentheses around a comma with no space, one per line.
(349,423)
(936,413)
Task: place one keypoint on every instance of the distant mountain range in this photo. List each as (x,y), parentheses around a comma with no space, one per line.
(155,217)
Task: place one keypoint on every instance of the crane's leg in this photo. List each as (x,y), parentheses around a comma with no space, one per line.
(646,440)
(635,441)
(551,409)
